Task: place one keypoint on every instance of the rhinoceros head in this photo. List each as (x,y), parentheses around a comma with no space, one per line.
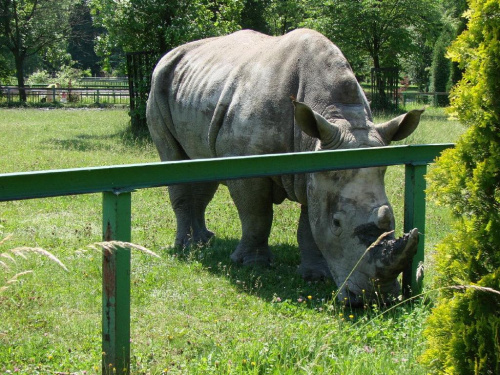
(351,219)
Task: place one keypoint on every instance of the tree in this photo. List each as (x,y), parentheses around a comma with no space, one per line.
(417,64)
(382,29)
(29,27)
(463,330)
(253,15)
(283,16)
(384,33)
(157,25)
(81,41)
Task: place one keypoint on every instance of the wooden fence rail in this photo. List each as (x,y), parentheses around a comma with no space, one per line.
(117,183)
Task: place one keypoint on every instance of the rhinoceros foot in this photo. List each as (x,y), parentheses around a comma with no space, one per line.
(201,237)
(260,256)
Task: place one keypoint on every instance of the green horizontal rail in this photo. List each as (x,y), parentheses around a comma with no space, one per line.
(17,186)
(117,182)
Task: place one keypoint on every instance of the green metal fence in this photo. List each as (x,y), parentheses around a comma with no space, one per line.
(117,184)
(94,95)
(436,99)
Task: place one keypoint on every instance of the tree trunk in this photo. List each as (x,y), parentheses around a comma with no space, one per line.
(376,61)
(381,100)
(379,77)
(19,58)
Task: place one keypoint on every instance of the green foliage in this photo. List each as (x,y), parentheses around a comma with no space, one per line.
(39,77)
(283,16)
(67,75)
(150,25)
(5,67)
(253,15)
(464,330)
(444,73)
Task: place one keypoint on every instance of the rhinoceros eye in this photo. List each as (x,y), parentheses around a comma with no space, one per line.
(337,220)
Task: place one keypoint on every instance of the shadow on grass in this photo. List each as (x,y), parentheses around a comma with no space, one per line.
(90,143)
(279,281)
(83,142)
(136,137)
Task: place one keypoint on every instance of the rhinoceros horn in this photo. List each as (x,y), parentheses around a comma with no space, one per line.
(391,256)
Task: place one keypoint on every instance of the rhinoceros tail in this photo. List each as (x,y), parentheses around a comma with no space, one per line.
(218,117)
(159,124)
(158,114)
(215,125)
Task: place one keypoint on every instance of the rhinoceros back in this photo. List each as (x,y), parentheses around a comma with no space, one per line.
(231,95)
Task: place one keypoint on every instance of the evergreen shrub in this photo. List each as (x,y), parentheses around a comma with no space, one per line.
(441,69)
(463,331)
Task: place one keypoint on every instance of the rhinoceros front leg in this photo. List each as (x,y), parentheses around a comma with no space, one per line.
(253,199)
(189,202)
(313,265)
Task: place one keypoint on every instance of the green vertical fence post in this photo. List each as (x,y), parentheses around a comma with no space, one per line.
(116,285)
(414,217)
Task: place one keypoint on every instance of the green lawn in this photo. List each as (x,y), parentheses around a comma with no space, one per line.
(192,312)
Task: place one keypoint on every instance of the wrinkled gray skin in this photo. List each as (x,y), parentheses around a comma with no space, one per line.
(230,96)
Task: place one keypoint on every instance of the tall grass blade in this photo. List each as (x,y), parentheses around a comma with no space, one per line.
(110,246)
(38,250)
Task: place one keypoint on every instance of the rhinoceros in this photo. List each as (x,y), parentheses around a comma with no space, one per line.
(230,96)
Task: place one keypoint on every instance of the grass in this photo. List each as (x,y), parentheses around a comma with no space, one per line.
(192,312)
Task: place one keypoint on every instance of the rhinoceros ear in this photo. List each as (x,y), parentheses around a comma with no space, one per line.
(400,127)
(312,123)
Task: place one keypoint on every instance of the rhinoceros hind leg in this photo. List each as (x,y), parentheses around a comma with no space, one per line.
(313,265)
(189,202)
(253,199)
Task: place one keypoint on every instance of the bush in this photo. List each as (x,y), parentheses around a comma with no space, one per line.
(40,77)
(463,331)
(63,77)
(67,76)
